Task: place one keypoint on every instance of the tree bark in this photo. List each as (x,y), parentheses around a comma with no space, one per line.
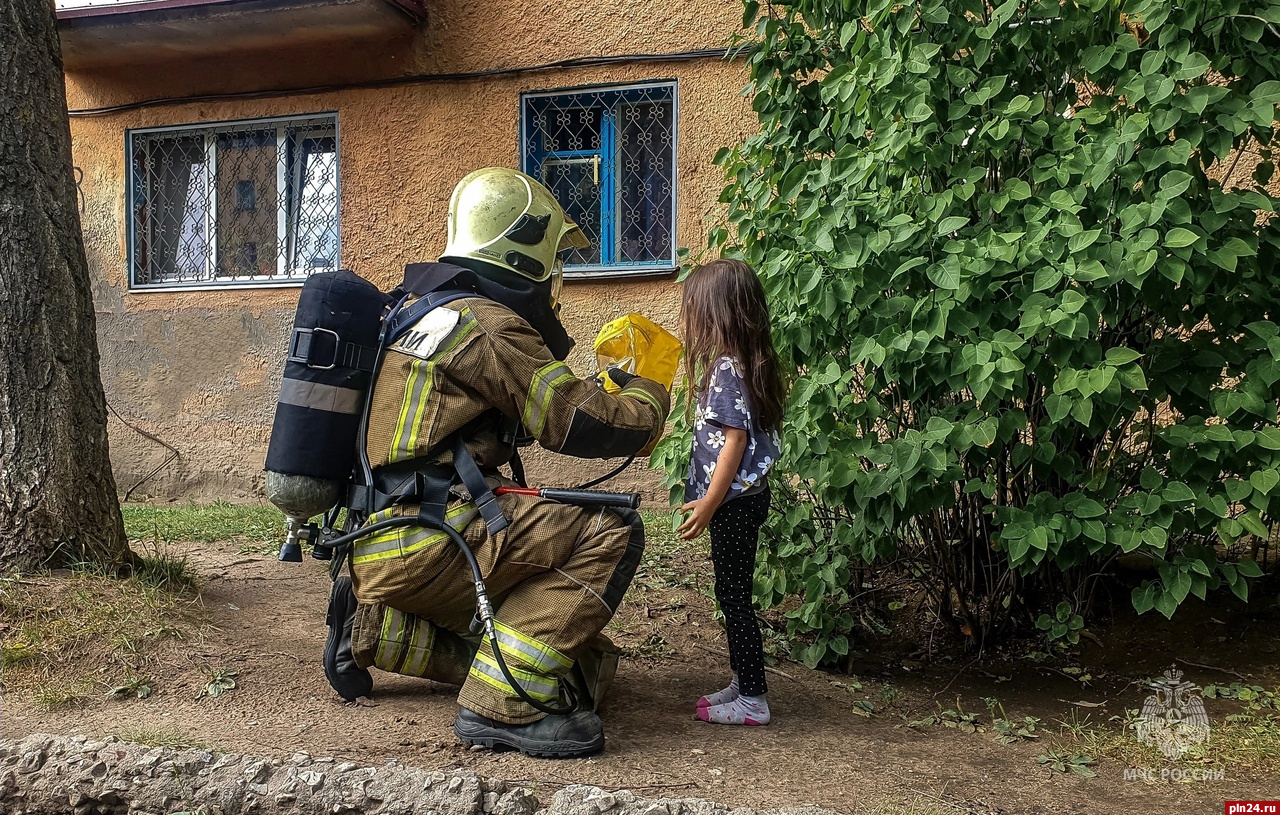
(58,502)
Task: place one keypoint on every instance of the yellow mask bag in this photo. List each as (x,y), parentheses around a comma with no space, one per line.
(639,346)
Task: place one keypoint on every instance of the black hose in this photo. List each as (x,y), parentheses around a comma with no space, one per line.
(593,482)
(484,610)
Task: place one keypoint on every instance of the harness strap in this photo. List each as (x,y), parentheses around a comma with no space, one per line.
(314,352)
(474,481)
(428,486)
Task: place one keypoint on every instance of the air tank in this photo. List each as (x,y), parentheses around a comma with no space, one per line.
(332,354)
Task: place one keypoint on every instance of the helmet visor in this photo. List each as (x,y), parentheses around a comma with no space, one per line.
(572,236)
(557,282)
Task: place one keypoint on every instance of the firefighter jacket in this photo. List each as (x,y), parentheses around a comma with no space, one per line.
(473,362)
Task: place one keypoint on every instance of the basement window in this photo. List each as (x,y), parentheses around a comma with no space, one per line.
(609,156)
(233,204)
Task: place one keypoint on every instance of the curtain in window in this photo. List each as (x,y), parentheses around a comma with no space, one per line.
(313,202)
(174,212)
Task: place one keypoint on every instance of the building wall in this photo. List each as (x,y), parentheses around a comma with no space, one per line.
(201,370)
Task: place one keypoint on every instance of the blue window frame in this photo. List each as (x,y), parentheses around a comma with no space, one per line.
(609,156)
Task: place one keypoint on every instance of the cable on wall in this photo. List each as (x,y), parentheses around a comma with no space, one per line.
(416,79)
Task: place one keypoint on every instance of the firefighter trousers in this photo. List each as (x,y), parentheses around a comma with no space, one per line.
(555,575)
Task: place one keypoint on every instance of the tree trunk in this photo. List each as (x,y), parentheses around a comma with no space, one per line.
(58,501)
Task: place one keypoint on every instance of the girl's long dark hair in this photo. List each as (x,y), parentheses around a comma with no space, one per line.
(724,314)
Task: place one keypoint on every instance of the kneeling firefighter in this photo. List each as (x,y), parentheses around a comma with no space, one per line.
(476,361)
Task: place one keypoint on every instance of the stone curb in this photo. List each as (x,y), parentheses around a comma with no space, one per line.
(51,775)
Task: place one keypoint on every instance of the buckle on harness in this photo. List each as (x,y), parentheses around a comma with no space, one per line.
(491,512)
(303,346)
(300,351)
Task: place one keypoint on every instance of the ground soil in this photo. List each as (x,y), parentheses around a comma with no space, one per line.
(265,621)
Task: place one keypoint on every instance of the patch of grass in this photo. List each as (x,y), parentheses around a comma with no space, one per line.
(160,737)
(167,573)
(16,652)
(75,629)
(956,719)
(61,694)
(220,681)
(253,527)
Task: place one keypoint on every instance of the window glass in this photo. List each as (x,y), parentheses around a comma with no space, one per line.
(246,203)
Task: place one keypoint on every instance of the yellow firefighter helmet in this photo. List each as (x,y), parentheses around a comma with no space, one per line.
(507,219)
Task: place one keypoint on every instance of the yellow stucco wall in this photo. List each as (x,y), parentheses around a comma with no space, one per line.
(201,370)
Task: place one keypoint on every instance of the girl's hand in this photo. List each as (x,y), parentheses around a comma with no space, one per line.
(700,513)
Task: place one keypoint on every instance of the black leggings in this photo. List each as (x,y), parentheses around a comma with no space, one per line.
(735,533)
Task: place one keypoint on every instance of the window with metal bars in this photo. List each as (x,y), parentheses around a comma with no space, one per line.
(238,203)
(609,155)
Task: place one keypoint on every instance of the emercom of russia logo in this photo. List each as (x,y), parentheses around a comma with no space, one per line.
(1173,718)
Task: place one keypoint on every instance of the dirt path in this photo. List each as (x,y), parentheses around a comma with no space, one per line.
(267,625)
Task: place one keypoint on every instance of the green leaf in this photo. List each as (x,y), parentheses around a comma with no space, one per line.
(1193,67)
(1264,481)
(1144,598)
(1017,189)
(950,224)
(1178,237)
(790,184)
(1089,508)
(1267,92)
(1046,278)
(944,276)
(1083,240)
(810,277)
(1254,524)
(1151,478)
(1058,406)
(1122,356)
(1178,493)
(1248,568)
(1268,438)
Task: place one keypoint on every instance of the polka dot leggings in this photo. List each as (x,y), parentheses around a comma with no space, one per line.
(735,533)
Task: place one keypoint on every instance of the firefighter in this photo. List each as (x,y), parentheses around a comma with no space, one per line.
(478,371)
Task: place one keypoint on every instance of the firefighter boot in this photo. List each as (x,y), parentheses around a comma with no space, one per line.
(560,735)
(348,679)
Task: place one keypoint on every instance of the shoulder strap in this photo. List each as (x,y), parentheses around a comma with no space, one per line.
(405,318)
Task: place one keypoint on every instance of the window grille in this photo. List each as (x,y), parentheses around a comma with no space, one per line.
(239,203)
(609,155)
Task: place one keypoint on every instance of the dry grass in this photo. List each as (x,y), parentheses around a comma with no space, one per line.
(920,804)
(160,737)
(69,635)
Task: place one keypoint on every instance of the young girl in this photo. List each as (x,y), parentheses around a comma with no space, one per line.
(734,370)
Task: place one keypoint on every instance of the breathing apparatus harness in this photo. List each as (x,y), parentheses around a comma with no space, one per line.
(429,485)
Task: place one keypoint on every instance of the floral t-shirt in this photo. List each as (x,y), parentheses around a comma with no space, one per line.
(726,403)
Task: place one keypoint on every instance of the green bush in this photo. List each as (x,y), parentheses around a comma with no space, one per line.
(1034,328)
